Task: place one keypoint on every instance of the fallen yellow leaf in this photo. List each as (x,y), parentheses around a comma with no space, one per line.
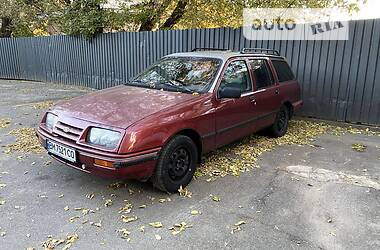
(184,192)
(108,203)
(127,219)
(195,212)
(156,224)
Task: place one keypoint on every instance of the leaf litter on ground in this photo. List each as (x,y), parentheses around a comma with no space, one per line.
(156,224)
(4,122)
(215,198)
(358,147)
(26,141)
(178,228)
(162,200)
(43,105)
(52,243)
(127,218)
(243,155)
(124,233)
(184,192)
(127,207)
(195,212)
(117,185)
(70,239)
(237,226)
(108,203)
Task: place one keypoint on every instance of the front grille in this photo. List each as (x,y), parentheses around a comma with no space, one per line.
(67,131)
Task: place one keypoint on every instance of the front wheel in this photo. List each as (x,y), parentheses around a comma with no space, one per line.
(280,125)
(176,164)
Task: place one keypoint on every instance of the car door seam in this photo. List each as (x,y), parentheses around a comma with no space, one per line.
(223,130)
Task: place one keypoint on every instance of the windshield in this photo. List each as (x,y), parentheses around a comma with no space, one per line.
(183,74)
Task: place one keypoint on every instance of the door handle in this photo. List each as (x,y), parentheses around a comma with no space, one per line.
(277,91)
(252,99)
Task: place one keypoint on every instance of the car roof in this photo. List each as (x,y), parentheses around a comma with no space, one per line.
(222,54)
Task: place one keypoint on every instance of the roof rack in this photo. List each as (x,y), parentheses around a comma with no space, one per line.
(260,50)
(204,49)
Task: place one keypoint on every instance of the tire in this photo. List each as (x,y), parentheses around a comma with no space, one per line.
(280,125)
(176,164)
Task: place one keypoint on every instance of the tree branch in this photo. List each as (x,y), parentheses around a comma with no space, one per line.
(176,15)
(155,12)
(6,27)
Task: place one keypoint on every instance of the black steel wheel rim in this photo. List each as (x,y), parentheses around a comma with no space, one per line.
(179,163)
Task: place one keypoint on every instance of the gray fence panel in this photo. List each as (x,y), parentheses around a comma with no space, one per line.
(340,80)
(372,104)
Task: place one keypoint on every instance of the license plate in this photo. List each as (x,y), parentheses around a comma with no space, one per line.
(61,151)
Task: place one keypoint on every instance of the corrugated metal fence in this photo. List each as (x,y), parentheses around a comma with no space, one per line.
(340,79)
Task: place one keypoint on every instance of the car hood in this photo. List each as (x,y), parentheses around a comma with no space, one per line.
(120,106)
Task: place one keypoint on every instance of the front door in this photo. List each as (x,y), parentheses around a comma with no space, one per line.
(233,116)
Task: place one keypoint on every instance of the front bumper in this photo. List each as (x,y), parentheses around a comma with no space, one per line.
(132,166)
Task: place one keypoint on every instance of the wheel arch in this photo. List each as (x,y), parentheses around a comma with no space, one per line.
(290,108)
(194,136)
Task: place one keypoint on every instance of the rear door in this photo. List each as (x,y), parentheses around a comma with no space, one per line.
(266,93)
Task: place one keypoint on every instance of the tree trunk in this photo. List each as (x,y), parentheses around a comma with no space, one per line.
(100,28)
(176,15)
(147,25)
(156,10)
(149,22)
(6,27)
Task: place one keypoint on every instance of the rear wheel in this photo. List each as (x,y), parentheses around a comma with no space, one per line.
(176,164)
(280,125)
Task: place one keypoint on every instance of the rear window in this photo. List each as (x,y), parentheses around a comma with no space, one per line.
(283,70)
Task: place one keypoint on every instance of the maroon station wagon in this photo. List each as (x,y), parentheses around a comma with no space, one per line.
(159,124)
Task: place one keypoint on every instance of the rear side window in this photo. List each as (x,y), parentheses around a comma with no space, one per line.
(262,73)
(283,70)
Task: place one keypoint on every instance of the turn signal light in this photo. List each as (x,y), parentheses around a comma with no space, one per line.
(107,164)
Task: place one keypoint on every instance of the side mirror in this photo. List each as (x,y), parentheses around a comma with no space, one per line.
(229,92)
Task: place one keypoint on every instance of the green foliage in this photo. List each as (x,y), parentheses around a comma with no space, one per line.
(85,17)
(228,13)
(89,17)
(21,17)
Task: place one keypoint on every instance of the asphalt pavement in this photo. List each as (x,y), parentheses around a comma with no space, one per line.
(323,196)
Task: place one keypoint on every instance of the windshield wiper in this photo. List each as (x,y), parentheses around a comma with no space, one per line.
(139,83)
(181,85)
(169,85)
(180,88)
(134,82)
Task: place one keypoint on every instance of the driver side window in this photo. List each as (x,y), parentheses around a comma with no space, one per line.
(237,75)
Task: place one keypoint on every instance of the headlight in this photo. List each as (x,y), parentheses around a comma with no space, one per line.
(51,120)
(103,137)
